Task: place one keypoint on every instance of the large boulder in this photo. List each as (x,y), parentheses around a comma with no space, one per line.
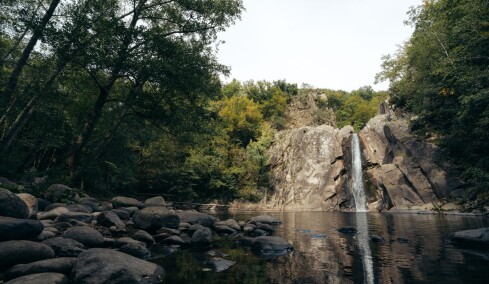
(19,229)
(307,169)
(154,218)
(194,217)
(476,238)
(202,238)
(41,278)
(85,235)
(31,202)
(12,205)
(61,193)
(65,247)
(155,201)
(121,201)
(109,266)
(17,252)
(58,265)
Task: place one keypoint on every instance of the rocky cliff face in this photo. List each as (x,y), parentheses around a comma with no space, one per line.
(400,166)
(310,167)
(307,168)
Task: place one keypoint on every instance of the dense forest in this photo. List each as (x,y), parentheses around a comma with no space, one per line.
(125,96)
(441,74)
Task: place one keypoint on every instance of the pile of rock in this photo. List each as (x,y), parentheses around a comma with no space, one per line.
(65,237)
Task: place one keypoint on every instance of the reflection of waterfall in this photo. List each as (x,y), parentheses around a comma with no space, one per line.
(363,244)
(357,179)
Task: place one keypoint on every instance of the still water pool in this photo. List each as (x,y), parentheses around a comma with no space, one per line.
(414,250)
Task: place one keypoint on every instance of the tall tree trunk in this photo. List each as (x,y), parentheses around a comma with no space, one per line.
(14,76)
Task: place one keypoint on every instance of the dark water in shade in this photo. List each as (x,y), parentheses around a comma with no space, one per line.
(415,250)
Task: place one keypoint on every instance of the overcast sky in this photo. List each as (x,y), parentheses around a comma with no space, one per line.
(335,44)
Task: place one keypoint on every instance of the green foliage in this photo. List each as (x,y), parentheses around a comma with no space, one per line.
(441,74)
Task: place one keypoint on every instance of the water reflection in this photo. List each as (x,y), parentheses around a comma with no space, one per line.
(323,255)
(363,240)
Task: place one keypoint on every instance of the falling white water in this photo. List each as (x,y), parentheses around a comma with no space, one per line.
(357,178)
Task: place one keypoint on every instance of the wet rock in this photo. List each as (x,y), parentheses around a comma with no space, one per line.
(58,265)
(155,201)
(476,238)
(224,230)
(270,246)
(12,205)
(219,264)
(265,227)
(173,240)
(259,232)
(65,247)
(123,215)
(31,203)
(42,204)
(17,252)
(85,235)
(145,237)
(265,219)
(168,231)
(136,250)
(347,230)
(231,223)
(61,193)
(108,219)
(78,216)
(109,266)
(152,219)
(19,229)
(121,201)
(41,278)
(194,217)
(202,238)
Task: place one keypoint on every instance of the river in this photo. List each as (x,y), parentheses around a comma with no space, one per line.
(414,250)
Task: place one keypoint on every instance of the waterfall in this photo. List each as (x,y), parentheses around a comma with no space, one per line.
(357,177)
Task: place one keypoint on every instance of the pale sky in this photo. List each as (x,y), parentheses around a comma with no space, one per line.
(335,44)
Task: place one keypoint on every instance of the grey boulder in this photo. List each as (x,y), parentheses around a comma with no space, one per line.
(12,205)
(154,218)
(109,266)
(41,278)
(85,235)
(59,265)
(17,252)
(19,229)
(65,247)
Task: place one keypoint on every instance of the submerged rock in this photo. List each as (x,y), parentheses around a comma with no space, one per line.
(265,219)
(347,230)
(270,246)
(109,266)
(219,264)
(477,238)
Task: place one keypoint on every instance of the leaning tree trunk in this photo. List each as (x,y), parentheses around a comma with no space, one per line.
(14,76)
